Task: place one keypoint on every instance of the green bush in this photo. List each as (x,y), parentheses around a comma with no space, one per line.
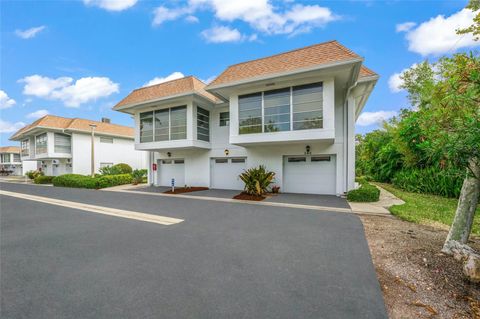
(257,180)
(138,176)
(116,169)
(82,181)
(41,179)
(33,174)
(365,193)
(432,180)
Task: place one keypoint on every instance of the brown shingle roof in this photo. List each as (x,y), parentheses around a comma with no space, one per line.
(76,124)
(318,54)
(364,71)
(189,84)
(10,149)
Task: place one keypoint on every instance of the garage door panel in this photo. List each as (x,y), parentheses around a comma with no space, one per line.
(312,174)
(169,169)
(225,172)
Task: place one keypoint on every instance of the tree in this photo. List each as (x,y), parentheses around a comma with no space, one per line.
(448,104)
(473,5)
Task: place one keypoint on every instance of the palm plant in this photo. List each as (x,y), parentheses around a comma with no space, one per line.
(257,180)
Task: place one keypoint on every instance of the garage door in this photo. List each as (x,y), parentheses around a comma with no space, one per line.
(225,172)
(309,174)
(171,168)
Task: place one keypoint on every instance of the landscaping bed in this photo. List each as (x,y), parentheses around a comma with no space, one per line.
(417,280)
(182,190)
(245,196)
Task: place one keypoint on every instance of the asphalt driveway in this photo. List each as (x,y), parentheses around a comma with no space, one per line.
(226,260)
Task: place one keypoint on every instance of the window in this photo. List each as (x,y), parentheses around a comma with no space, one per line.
(105,165)
(307,106)
(250,113)
(295,108)
(238,160)
(178,123)
(221,160)
(166,161)
(25,146)
(105,139)
(41,144)
(297,159)
(179,161)
(203,124)
(161,125)
(224,118)
(16,158)
(5,158)
(146,127)
(276,110)
(320,159)
(63,143)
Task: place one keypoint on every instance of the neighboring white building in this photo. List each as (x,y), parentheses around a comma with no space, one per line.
(293,112)
(11,163)
(63,145)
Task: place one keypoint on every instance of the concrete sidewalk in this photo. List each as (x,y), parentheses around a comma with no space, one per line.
(387,200)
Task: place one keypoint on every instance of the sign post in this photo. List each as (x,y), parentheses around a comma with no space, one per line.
(173,185)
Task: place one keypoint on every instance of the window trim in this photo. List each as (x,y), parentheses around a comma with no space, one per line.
(46,143)
(184,106)
(227,122)
(27,148)
(55,144)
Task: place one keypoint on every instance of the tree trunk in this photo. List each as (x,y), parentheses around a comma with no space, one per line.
(467,204)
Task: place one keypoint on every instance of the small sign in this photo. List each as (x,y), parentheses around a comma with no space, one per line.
(154,167)
(173,185)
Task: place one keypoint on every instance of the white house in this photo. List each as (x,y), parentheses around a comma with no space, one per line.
(293,112)
(63,145)
(11,164)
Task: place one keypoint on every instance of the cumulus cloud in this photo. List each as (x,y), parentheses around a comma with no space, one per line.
(111,5)
(438,35)
(170,77)
(192,19)
(37,114)
(209,79)
(72,93)
(394,82)
(369,118)
(261,15)
(5,100)
(404,27)
(8,127)
(222,34)
(29,33)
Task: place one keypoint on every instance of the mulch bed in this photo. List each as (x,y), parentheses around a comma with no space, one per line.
(245,196)
(181,190)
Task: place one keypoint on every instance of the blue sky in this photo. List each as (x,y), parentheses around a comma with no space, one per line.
(78,58)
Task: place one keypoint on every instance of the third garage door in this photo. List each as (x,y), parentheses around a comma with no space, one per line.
(309,174)
(225,172)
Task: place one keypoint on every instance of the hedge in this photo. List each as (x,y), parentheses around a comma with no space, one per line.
(33,174)
(41,179)
(82,181)
(436,181)
(365,193)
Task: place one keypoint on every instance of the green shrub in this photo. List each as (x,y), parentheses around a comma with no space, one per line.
(257,180)
(113,180)
(365,193)
(82,181)
(138,176)
(33,174)
(432,180)
(41,179)
(116,169)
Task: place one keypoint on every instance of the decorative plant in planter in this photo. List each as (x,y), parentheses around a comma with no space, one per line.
(275,189)
(257,180)
(138,175)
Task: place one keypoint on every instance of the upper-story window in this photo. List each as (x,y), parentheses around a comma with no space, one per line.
(106,139)
(25,147)
(5,158)
(294,108)
(41,144)
(163,125)
(16,158)
(203,124)
(224,118)
(63,143)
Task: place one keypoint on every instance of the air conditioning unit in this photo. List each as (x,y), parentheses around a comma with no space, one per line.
(55,161)
(69,160)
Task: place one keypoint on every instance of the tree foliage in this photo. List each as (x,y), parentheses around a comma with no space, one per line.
(473,5)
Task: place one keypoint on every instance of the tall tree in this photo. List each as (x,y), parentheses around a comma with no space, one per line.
(473,5)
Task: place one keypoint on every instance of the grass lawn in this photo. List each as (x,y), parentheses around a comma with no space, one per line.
(423,208)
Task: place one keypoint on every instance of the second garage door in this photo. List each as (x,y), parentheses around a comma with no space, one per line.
(309,174)
(225,172)
(171,168)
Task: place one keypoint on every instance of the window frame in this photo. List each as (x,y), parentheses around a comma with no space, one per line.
(170,133)
(25,142)
(225,121)
(42,147)
(55,143)
(207,122)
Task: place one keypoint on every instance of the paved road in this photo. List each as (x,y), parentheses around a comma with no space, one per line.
(224,261)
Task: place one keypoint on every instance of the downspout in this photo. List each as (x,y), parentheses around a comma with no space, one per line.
(346,153)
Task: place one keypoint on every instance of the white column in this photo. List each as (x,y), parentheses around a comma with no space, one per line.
(350,144)
(150,168)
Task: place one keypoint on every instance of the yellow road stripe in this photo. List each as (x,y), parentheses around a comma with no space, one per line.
(163,220)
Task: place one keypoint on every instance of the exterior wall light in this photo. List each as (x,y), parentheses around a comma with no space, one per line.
(169,154)
(226,152)
(307,150)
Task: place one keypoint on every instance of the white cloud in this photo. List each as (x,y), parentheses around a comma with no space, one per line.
(37,114)
(8,127)
(222,34)
(438,35)
(394,82)
(404,27)
(369,118)
(5,100)
(111,5)
(209,79)
(29,33)
(261,15)
(71,93)
(170,77)
(192,19)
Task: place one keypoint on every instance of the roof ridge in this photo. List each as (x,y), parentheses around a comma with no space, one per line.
(82,119)
(290,51)
(150,86)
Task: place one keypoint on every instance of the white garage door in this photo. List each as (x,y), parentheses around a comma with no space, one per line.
(171,168)
(225,172)
(309,174)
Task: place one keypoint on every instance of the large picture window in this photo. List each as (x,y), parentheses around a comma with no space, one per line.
(25,147)
(163,125)
(41,144)
(63,143)
(293,108)
(203,124)
(16,158)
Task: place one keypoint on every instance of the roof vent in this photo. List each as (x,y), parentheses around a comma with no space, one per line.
(105,120)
